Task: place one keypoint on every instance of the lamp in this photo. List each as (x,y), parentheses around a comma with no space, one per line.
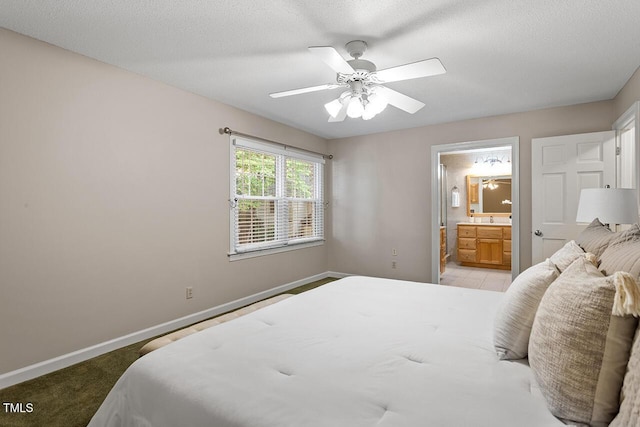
(492,159)
(360,101)
(492,164)
(355,108)
(609,205)
(491,184)
(333,107)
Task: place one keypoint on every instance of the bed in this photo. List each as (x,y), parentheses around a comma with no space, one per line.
(359,351)
(560,346)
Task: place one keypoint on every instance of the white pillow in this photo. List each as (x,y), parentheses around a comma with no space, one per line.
(514,319)
(578,349)
(566,255)
(629,414)
(595,238)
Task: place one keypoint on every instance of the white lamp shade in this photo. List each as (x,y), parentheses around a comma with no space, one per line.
(333,107)
(368,113)
(609,205)
(355,108)
(377,103)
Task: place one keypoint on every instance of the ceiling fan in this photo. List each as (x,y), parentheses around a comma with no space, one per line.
(366,95)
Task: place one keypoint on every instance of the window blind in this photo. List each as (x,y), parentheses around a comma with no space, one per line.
(277,195)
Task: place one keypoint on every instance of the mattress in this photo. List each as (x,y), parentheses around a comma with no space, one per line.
(359,351)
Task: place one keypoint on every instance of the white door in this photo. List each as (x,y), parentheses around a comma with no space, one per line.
(561,166)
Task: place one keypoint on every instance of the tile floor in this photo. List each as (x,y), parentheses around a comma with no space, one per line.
(477,278)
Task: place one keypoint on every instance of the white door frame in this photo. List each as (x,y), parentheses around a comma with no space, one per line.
(436,150)
(631,115)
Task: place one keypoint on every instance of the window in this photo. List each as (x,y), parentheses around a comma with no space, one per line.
(277,197)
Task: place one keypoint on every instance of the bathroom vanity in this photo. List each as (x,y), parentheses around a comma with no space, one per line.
(485,245)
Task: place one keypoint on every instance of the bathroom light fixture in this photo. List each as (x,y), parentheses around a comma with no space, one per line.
(492,165)
(492,160)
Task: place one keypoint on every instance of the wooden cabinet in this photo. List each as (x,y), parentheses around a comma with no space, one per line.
(490,251)
(474,191)
(506,245)
(485,246)
(467,244)
(443,249)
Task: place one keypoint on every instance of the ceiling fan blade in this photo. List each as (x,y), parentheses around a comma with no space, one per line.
(332,58)
(425,68)
(304,90)
(399,100)
(342,114)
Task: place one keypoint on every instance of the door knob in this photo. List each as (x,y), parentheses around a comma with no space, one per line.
(538,233)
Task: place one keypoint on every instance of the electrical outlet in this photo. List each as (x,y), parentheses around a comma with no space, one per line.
(393,264)
(189,292)
(394,252)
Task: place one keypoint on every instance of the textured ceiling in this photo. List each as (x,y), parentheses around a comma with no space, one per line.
(501,56)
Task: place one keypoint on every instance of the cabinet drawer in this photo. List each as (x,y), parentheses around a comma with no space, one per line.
(506,233)
(466,231)
(466,255)
(488,232)
(466,243)
(506,246)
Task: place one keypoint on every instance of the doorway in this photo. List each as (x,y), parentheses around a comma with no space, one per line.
(442,193)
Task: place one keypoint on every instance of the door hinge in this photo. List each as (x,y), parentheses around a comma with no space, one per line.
(618,151)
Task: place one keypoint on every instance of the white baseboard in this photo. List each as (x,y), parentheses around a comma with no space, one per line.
(60,362)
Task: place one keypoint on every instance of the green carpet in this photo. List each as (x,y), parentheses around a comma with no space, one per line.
(69,397)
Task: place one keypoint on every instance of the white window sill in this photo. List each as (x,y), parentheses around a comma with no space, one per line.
(271,251)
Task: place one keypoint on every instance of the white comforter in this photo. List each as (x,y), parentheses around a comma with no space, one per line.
(356,352)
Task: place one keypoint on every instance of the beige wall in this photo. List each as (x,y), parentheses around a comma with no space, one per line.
(382,185)
(114,199)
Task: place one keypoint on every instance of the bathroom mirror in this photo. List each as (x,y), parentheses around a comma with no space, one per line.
(488,195)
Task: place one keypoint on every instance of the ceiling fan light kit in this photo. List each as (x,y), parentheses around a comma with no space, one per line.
(358,104)
(366,96)
(333,107)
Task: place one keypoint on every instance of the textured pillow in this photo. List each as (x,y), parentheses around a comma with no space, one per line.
(629,414)
(595,238)
(514,318)
(578,350)
(623,253)
(566,255)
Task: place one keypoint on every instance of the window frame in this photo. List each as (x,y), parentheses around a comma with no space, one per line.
(283,242)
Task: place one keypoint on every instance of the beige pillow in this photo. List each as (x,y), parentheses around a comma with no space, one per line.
(514,318)
(623,253)
(578,350)
(566,255)
(629,414)
(595,238)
